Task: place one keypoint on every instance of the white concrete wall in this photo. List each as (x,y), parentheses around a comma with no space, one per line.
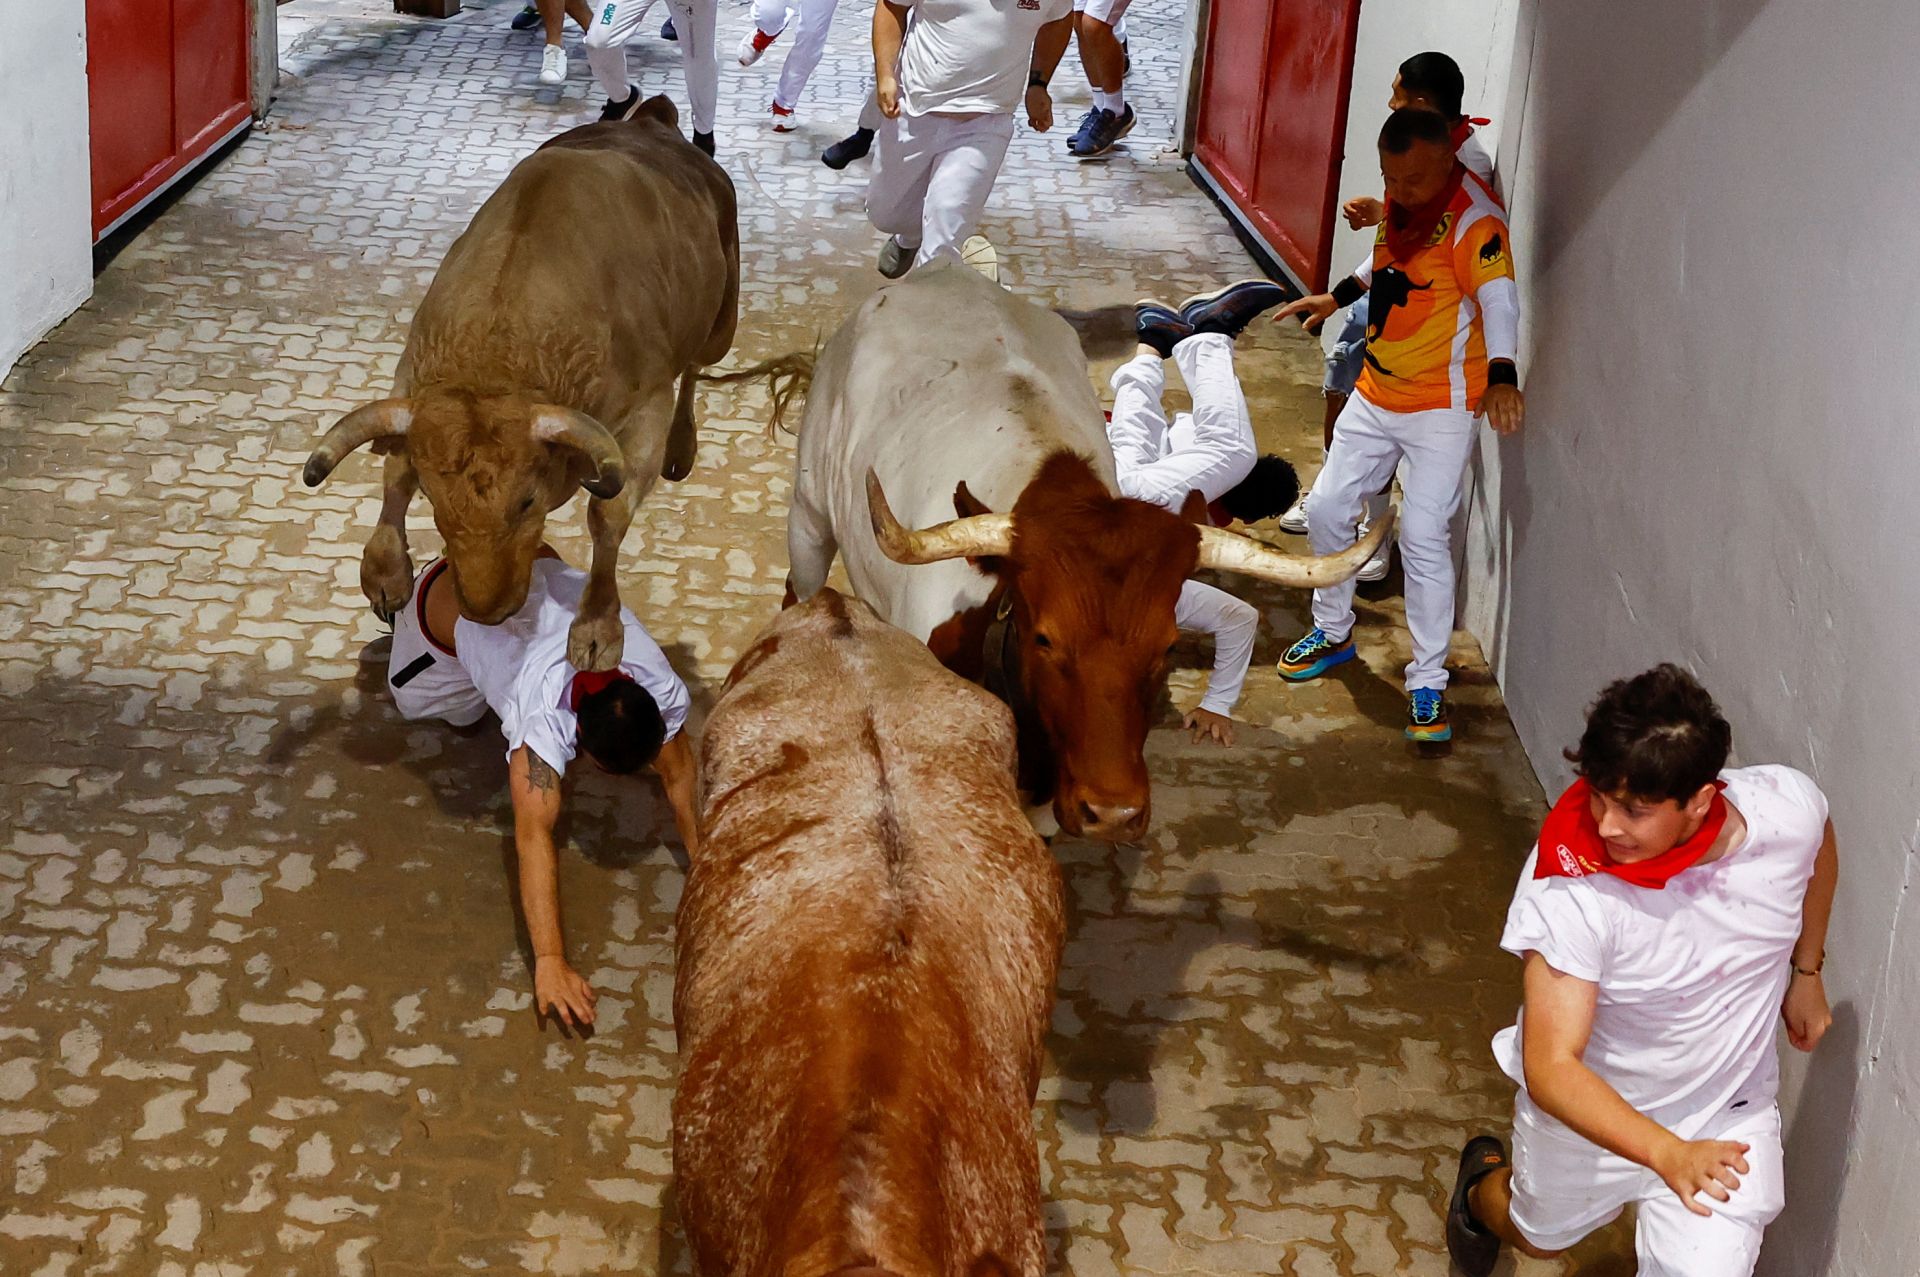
(46,239)
(1714,210)
(1478,34)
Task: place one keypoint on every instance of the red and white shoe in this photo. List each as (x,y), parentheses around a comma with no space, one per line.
(784,120)
(753,44)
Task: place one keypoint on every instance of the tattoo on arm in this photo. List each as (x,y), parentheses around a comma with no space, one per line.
(539,775)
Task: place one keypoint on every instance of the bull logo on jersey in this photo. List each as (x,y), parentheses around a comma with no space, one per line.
(1392,290)
(1491,251)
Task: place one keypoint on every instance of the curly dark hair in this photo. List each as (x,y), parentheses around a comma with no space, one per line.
(1656,736)
(621,727)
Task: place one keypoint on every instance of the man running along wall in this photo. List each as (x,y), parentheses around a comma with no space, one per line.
(1671,915)
(447,667)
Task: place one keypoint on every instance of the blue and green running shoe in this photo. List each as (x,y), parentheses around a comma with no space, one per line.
(1313,655)
(1427,715)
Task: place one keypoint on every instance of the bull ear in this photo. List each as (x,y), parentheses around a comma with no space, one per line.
(385,422)
(571,429)
(966,505)
(1194,509)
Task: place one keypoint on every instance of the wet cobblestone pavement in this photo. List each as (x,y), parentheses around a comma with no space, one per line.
(264,1006)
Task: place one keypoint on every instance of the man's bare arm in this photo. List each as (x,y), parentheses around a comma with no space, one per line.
(535,788)
(889,33)
(679,773)
(1805,1009)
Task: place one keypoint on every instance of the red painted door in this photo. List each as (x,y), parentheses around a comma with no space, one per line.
(166,84)
(1273,120)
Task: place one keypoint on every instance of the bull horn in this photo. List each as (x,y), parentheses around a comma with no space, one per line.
(1230,552)
(975,536)
(576,430)
(387,419)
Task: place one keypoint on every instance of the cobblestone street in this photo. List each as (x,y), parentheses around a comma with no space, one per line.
(265,1004)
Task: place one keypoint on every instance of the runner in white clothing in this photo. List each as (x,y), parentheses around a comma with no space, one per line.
(447,667)
(1670,915)
(947,88)
(1210,451)
(810,21)
(615,21)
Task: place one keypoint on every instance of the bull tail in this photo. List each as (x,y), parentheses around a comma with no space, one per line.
(787,375)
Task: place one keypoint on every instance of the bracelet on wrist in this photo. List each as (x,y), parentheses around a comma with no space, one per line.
(1814,970)
(1036,82)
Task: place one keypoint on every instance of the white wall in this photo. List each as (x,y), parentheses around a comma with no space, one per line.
(1714,214)
(1478,34)
(46,240)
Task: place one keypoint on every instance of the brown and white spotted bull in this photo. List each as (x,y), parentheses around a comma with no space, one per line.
(544,358)
(867,946)
(947,395)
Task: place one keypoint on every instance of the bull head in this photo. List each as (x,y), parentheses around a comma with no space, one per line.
(1093,580)
(492,467)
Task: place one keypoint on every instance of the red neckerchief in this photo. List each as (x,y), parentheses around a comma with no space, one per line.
(1465,127)
(586,684)
(1409,229)
(1571,846)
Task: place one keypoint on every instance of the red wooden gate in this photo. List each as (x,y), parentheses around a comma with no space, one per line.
(1273,120)
(166,85)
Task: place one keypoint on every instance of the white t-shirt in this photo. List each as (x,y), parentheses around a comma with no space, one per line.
(969,56)
(1475,157)
(1691,976)
(521,666)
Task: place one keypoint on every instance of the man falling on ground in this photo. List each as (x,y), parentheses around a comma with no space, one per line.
(447,667)
(1209,451)
(1442,330)
(1672,913)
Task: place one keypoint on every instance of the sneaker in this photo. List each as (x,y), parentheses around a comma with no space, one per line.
(1427,715)
(896,259)
(1313,654)
(705,142)
(668,33)
(1380,562)
(1099,131)
(754,44)
(784,120)
(553,65)
(979,253)
(1229,310)
(621,110)
(1295,519)
(1159,326)
(526,20)
(1473,1249)
(848,149)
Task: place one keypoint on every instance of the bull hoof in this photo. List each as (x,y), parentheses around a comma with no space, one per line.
(386,574)
(676,469)
(682,446)
(596,643)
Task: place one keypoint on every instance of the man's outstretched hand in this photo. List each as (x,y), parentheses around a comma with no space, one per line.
(563,993)
(1312,311)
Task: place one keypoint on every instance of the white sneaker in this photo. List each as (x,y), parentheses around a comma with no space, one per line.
(1377,567)
(978,253)
(784,119)
(553,65)
(1295,519)
(754,44)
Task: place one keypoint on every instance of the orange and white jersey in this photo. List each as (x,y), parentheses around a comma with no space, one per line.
(1435,319)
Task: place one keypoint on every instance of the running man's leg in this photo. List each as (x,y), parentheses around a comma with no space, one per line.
(1361,461)
(1672,1241)
(614,22)
(968,152)
(699,60)
(809,44)
(770,16)
(870,117)
(1437,446)
(1139,425)
(897,189)
(1220,415)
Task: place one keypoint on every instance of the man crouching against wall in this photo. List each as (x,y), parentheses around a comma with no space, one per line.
(1669,913)
(447,667)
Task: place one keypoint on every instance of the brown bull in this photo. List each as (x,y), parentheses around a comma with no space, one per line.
(544,359)
(867,948)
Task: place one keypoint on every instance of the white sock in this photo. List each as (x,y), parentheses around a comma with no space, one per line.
(1115,101)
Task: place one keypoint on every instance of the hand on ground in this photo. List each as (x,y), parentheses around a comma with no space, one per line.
(1207,725)
(561,992)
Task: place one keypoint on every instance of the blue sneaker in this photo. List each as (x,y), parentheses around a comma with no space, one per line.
(1313,655)
(1099,131)
(1427,715)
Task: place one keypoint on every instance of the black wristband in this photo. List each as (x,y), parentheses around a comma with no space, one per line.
(1036,81)
(1501,372)
(1348,291)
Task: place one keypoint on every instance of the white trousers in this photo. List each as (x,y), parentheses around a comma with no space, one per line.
(809,22)
(428,681)
(931,177)
(1368,442)
(1208,450)
(1564,1188)
(615,21)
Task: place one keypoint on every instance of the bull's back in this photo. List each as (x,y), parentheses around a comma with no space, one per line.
(939,378)
(616,241)
(867,948)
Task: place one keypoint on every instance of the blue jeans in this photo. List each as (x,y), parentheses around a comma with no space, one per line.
(1349,353)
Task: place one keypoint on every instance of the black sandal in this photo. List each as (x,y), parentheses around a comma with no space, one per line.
(1473,1248)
